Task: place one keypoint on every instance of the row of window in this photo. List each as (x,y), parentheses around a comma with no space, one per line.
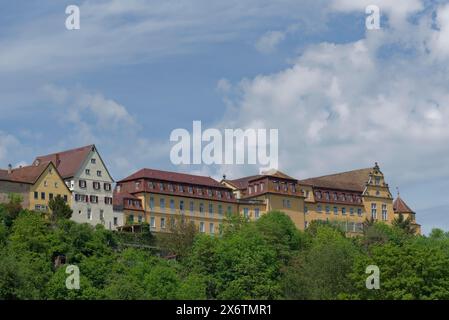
(345,226)
(181,188)
(284,186)
(43,196)
(91,199)
(192,209)
(87,171)
(336,211)
(95,184)
(337,196)
(163,224)
(101,215)
(374,211)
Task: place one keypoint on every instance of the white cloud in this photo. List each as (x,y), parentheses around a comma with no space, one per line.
(269,42)
(7,143)
(345,106)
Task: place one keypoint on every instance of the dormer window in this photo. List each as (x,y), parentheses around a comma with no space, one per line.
(181,188)
(93,161)
(161,186)
(87,172)
(98,173)
(190,189)
(137,184)
(250,190)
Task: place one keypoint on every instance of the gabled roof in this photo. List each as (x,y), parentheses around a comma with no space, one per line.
(355,180)
(173,177)
(400,206)
(68,162)
(27,174)
(242,183)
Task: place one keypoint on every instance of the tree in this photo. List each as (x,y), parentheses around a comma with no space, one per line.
(180,238)
(404,224)
(11,210)
(59,209)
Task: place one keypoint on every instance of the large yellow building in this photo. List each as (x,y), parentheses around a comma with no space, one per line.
(347,199)
(37,184)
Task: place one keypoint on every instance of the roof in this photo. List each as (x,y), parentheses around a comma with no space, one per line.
(27,174)
(173,177)
(120,196)
(355,180)
(400,206)
(242,183)
(68,162)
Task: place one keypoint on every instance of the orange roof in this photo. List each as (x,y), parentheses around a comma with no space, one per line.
(242,183)
(173,177)
(355,180)
(67,162)
(400,206)
(27,174)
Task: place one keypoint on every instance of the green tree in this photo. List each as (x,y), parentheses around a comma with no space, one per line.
(179,240)
(59,209)
(404,224)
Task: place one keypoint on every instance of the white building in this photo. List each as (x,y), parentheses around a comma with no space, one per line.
(87,176)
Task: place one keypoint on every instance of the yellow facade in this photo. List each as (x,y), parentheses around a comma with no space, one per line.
(48,185)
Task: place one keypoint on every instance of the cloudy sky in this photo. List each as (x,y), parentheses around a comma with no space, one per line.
(342,97)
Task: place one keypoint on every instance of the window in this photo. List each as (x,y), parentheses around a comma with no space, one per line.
(43,195)
(93,161)
(181,189)
(161,186)
(209,192)
(181,205)
(384,212)
(36,195)
(246,212)
(343,211)
(250,189)
(285,187)
(336,211)
(319,208)
(45,183)
(50,196)
(377,181)
(202,227)
(56,185)
(107,186)
(220,210)
(211,228)
(162,204)
(151,185)
(98,173)
(374,210)
(115,221)
(199,191)
(162,223)
(276,185)
(89,214)
(102,215)
(93,199)
(107,200)
(261,186)
(190,189)
(172,205)
(359,212)
(219,194)
(351,211)
(65,198)
(87,172)
(82,184)
(151,203)
(229,210)
(211,209)
(170,187)
(255,189)
(327,196)
(96,185)
(377,193)
(257,213)
(201,207)
(335,196)
(139,219)
(153,222)
(286,203)
(328,209)
(192,207)
(318,195)
(306,209)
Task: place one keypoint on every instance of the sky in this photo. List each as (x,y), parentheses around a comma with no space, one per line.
(342,97)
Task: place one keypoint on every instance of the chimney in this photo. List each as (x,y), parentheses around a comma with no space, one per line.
(224,177)
(57,160)
(9,168)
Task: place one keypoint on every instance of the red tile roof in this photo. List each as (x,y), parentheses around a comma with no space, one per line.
(400,206)
(173,177)
(27,174)
(355,180)
(242,183)
(68,162)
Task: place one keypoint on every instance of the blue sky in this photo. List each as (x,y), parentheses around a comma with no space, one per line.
(342,97)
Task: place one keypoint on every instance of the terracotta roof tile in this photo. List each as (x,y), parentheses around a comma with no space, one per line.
(173,177)
(67,162)
(27,174)
(400,206)
(352,180)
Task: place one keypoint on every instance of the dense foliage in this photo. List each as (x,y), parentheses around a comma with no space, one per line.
(267,259)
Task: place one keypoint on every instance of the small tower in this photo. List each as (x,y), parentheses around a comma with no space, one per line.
(400,207)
